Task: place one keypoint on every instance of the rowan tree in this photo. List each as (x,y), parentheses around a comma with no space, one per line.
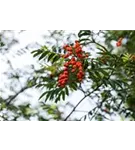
(99,64)
(108,77)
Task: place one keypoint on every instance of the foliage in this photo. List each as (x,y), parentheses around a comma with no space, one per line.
(111,76)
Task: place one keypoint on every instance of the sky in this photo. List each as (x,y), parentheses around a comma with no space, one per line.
(23,61)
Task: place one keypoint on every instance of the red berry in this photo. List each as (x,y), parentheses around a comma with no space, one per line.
(66,64)
(69,48)
(80,68)
(78,64)
(78,75)
(73,59)
(76,41)
(66,78)
(78,50)
(65,69)
(73,70)
(118,44)
(74,66)
(70,53)
(73,62)
(65,72)
(79,55)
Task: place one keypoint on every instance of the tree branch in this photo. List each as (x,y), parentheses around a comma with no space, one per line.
(81,101)
(89,112)
(85,97)
(11,98)
(93,41)
(81,89)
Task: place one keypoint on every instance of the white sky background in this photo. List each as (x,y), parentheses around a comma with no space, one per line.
(22,61)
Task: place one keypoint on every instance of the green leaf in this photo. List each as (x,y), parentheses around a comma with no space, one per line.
(48,95)
(93,76)
(112,83)
(104,95)
(101,53)
(84,33)
(103,72)
(54,49)
(50,111)
(30,83)
(37,53)
(59,50)
(125,83)
(44,48)
(57,99)
(98,74)
(42,95)
(119,83)
(2,44)
(100,48)
(51,56)
(105,81)
(92,65)
(52,94)
(73,86)
(55,58)
(108,68)
(63,95)
(46,79)
(43,55)
(40,85)
(66,90)
(57,91)
(84,40)
(86,64)
(122,96)
(34,51)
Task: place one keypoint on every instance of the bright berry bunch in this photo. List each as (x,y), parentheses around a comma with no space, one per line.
(73,67)
(119,43)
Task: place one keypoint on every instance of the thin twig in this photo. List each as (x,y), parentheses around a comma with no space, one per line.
(81,101)
(81,89)
(89,112)
(94,115)
(11,98)
(93,41)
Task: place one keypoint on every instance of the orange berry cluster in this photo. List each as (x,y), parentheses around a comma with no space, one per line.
(119,43)
(63,78)
(74,64)
(75,50)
